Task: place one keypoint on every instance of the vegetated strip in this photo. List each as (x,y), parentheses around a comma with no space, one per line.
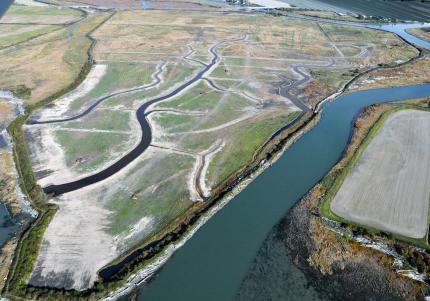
(31,238)
(356,146)
(84,14)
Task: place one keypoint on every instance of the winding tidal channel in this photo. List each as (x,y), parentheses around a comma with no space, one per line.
(146,138)
(213,264)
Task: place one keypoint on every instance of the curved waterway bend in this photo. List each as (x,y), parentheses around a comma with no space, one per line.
(396,28)
(146,138)
(213,263)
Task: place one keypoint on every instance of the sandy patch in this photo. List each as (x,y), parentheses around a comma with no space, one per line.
(47,156)
(75,245)
(62,105)
(144,225)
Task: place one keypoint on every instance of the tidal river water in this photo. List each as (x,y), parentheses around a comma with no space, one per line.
(213,264)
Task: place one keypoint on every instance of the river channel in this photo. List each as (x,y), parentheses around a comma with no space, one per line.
(213,264)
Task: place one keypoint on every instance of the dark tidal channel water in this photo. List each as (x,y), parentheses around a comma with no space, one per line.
(4,5)
(213,263)
(8,225)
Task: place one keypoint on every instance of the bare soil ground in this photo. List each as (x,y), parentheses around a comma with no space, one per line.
(388,189)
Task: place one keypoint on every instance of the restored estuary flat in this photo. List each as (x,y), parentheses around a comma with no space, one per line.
(128,125)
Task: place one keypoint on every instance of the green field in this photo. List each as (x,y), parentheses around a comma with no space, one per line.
(87,151)
(163,196)
(14,34)
(33,10)
(247,137)
(107,120)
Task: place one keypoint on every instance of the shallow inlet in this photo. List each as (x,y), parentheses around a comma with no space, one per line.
(213,263)
(8,225)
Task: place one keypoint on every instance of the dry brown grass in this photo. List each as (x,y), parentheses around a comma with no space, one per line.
(423,33)
(414,73)
(49,63)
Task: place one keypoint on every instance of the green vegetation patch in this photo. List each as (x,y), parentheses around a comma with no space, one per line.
(19,33)
(41,10)
(172,75)
(349,50)
(108,120)
(226,108)
(231,106)
(200,97)
(198,142)
(119,76)
(161,193)
(174,123)
(248,138)
(226,84)
(86,151)
(124,75)
(333,77)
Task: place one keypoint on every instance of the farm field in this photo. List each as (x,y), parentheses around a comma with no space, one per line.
(210,91)
(388,188)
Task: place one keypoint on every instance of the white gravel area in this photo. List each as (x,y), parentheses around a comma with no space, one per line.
(270,3)
(61,105)
(75,245)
